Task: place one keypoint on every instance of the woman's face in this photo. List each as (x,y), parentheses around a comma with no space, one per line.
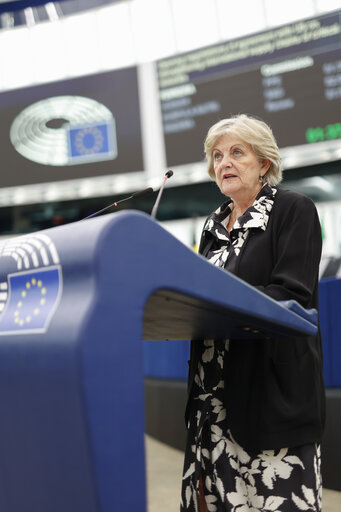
(237,168)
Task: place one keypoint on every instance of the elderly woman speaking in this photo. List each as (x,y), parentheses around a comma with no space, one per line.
(255,409)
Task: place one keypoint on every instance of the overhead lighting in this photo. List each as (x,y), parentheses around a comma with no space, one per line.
(29,15)
(52,11)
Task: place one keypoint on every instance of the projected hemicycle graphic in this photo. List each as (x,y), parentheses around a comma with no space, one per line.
(65,130)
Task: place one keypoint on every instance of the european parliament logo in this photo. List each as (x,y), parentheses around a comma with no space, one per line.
(32,299)
(30,284)
(92,142)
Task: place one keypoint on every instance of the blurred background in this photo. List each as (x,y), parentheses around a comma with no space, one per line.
(99,98)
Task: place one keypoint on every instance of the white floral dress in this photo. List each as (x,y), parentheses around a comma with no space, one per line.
(285,480)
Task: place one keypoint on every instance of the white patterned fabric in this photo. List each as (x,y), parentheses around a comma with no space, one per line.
(284,480)
(228,246)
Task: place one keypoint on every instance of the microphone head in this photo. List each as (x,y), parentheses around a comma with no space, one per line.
(169,174)
(144,192)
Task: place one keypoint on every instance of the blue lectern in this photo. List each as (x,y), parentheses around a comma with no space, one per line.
(75,303)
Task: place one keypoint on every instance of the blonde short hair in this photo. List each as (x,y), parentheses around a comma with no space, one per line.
(254,132)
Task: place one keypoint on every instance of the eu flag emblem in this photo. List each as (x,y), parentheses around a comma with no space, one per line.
(92,142)
(33,297)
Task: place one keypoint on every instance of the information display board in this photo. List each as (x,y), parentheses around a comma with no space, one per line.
(289,76)
(78,128)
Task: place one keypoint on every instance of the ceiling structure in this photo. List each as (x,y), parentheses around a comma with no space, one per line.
(14,13)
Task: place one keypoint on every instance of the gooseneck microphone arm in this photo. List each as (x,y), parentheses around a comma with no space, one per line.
(141,193)
(168,175)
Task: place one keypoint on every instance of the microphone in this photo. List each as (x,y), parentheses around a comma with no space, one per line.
(140,193)
(168,175)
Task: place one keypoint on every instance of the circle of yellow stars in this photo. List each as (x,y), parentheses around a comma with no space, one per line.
(97,144)
(30,285)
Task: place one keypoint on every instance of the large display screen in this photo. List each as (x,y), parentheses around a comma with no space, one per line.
(77,128)
(289,76)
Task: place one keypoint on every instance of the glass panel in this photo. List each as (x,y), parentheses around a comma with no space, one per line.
(116,48)
(153,29)
(48,43)
(16,67)
(81,40)
(195,23)
(279,12)
(327,5)
(239,18)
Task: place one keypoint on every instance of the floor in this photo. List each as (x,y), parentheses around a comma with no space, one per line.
(164,467)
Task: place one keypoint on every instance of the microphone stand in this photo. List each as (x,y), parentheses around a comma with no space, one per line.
(168,175)
(141,193)
(106,208)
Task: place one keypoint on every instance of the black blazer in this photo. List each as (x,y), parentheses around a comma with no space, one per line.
(274,392)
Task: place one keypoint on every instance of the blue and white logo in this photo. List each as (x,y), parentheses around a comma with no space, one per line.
(89,142)
(30,294)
